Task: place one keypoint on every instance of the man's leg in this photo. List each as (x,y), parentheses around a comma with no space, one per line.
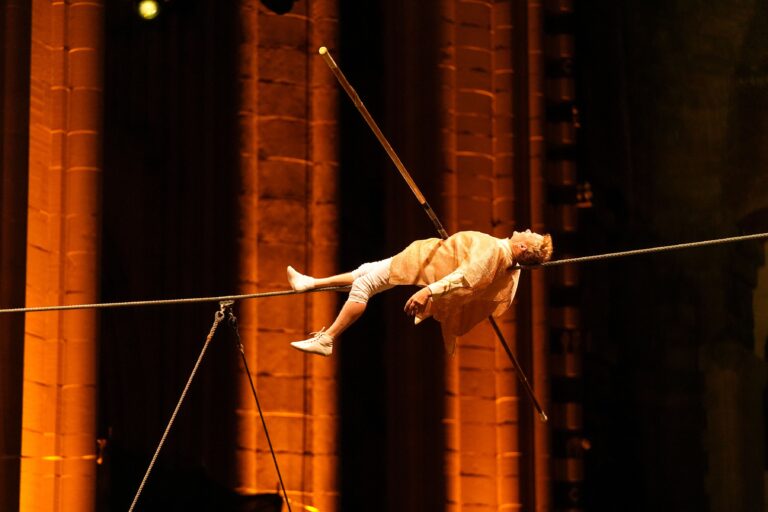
(322,342)
(348,315)
(301,282)
(368,280)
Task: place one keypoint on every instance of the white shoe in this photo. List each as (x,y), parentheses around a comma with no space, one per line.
(299,282)
(320,343)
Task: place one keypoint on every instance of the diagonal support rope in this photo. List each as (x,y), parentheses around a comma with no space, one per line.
(216,321)
(233,323)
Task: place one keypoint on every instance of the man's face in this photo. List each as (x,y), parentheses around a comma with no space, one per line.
(527,237)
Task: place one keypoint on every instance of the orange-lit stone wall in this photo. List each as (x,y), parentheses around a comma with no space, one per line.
(288,205)
(14,129)
(496,453)
(58,470)
(539,321)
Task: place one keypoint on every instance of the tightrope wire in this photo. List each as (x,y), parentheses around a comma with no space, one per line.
(262,295)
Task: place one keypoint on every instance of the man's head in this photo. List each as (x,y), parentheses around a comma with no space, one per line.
(530,248)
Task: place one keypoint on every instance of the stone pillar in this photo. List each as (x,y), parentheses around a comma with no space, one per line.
(492,140)
(58,470)
(539,337)
(471,383)
(288,212)
(14,116)
(323,247)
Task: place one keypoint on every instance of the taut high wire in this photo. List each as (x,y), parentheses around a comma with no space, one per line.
(648,250)
(168,302)
(264,295)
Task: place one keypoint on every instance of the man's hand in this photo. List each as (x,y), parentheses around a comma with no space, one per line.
(417,304)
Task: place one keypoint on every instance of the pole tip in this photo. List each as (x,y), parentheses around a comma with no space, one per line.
(322,50)
(543,416)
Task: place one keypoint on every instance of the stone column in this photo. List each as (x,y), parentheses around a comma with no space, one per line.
(539,337)
(288,211)
(469,102)
(58,470)
(492,140)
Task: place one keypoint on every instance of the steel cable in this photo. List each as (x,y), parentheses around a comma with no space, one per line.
(648,250)
(262,295)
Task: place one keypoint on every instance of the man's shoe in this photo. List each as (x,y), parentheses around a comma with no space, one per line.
(320,343)
(299,282)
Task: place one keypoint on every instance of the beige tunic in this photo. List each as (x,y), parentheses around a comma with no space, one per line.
(489,285)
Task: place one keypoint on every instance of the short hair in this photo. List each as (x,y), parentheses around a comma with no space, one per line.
(537,255)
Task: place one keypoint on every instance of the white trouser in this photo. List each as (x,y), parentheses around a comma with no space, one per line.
(370,279)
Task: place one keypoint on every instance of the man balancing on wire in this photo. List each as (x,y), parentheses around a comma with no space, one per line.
(465,278)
